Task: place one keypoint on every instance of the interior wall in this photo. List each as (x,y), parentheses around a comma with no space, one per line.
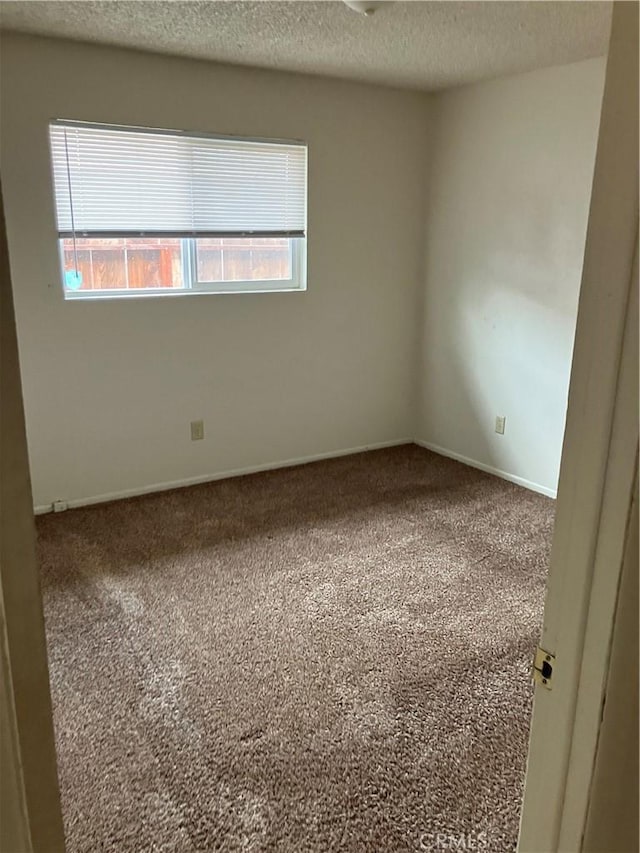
(110,387)
(510,183)
(388,344)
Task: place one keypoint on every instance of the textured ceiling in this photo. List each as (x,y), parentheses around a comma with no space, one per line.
(422,45)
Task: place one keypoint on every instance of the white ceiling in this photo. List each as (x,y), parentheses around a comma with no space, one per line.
(421,45)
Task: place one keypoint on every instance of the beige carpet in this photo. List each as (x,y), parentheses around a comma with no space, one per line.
(332,657)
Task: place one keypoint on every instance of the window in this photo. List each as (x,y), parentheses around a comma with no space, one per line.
(155,212)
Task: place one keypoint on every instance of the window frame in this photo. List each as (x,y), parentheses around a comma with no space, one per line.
(192,286)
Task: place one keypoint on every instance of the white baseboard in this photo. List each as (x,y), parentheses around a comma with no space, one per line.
(287,463)
(222,475)
(504,475)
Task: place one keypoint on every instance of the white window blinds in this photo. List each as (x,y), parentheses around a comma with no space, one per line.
(117,182)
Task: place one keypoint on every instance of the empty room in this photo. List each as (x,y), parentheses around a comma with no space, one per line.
(296,288)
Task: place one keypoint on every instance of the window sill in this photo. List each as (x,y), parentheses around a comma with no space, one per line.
(109,295)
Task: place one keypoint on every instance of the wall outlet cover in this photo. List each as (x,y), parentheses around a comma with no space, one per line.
(197,430)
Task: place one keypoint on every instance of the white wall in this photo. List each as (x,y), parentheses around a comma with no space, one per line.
(386,345)
(110,387)
(508,198)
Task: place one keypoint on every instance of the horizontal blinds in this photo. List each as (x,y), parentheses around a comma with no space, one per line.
(118,181)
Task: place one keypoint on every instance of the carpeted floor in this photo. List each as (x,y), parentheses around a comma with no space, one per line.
(333,657)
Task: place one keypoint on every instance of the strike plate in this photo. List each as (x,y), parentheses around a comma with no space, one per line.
(543,664)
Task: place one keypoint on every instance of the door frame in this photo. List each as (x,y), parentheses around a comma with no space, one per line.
(31,817)
(596,477)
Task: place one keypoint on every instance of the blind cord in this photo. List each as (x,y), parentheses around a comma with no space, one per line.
(73,223)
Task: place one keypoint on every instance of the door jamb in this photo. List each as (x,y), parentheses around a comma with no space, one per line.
(596,477)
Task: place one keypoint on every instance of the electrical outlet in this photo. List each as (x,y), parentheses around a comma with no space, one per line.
(197,430)
(59,506)
(500,422)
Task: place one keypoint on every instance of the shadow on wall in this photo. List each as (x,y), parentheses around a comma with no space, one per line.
(509,200)
(496,349)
